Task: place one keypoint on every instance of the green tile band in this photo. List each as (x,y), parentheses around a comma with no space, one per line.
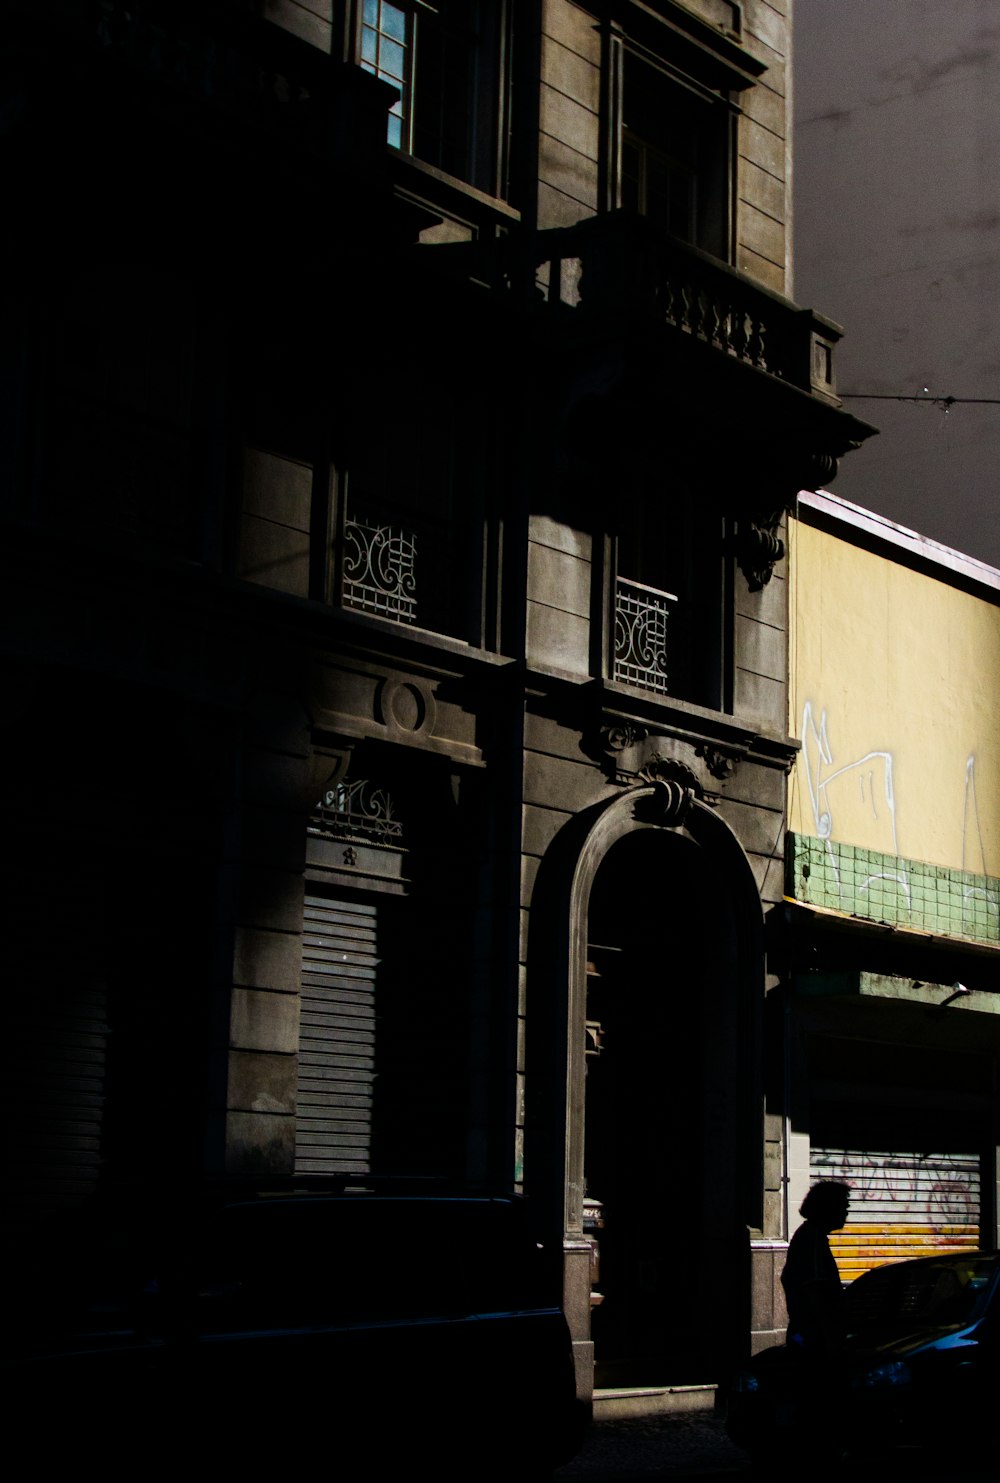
(893,889)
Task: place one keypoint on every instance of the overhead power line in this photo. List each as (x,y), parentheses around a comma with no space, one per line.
(937,401)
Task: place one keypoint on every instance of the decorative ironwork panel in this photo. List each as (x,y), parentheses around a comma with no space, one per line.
(379,573)
(359,810)
(641,615)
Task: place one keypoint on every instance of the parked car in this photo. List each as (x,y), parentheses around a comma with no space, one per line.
(921,1367)
(301,1326)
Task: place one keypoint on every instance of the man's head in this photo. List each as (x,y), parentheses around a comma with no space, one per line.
(827,1204)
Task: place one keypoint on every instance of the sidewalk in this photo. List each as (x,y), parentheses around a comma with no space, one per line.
(694,1445)
(673,1444)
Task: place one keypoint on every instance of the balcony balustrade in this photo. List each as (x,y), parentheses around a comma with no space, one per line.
(622,265)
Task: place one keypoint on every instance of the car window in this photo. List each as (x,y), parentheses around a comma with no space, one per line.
(933,1293)
(307,1261)
(124,1276)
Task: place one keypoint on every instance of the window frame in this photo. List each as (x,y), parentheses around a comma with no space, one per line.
(481,85)
(695,585)
(713,182)
(404,83)
(709,62)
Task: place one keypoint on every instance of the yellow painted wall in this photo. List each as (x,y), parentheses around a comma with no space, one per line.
(895,695)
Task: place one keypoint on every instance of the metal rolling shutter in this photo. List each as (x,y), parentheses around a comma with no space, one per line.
(336,1037)
(56,1076)
(902,1204)
(55,1036)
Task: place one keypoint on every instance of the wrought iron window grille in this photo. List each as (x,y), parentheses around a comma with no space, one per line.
(641,626)
(358,812)
(379,570)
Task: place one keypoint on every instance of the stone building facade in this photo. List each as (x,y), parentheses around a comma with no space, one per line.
(406,411)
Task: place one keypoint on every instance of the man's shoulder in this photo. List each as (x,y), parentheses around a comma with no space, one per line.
(806,1249)
(806,1235)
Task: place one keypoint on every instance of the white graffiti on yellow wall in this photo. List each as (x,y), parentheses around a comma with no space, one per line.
(865,781)
(973,849)
(863,790)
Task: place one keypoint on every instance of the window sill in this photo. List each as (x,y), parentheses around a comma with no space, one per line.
(404,633)
(701,722)
(437,192)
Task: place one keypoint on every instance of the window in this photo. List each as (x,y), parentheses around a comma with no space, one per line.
(390,521)
(675,155)
(398,524)
(387,50)
(445,61)
(666,586)
(405,543)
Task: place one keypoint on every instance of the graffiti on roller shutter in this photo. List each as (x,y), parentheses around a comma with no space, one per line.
(902,1204)
(952,1201)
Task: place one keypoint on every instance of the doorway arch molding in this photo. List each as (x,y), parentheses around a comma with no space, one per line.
(659,806)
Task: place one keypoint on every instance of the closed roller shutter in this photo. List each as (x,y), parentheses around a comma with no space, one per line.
(55,1030)
(336,1037)
(902,1204)
(56,1079)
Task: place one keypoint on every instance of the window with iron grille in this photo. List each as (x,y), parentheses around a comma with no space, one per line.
(642,635)
(403,547)
(389,522)
(666,588)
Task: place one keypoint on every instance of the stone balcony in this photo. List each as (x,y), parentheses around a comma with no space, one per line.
(620,266)
(747,366)
(652,326)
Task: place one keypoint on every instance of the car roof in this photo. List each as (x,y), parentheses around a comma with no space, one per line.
(945,1258)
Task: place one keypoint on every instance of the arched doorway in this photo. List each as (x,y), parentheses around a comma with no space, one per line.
(655,982)
(663,1116)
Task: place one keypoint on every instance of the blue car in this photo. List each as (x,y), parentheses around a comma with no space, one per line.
(921,1368)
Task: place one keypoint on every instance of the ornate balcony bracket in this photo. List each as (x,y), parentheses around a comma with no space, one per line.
(759,549)
(721,763)
(634,755)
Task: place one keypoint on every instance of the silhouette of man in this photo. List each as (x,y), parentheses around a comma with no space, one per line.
(813,1291)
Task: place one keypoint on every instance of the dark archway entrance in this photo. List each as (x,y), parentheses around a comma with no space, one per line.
(660,1145)
(652,889)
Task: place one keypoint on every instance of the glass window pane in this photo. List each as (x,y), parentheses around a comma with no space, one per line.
(368,43)
(394,22)
(391,60)
(371,12)
(395,135)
